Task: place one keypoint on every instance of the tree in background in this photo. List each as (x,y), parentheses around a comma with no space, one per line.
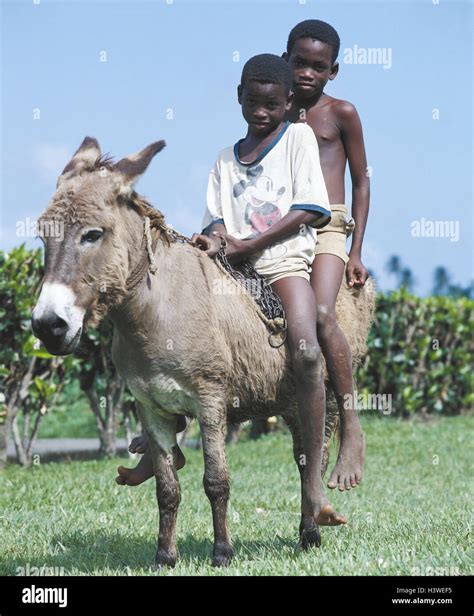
(442,285)
(103,386)
(404,275)
(441,281)
(30,378)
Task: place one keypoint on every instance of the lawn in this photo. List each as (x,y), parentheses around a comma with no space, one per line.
(410,516)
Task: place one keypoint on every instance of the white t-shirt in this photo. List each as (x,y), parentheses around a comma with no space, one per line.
(248,198)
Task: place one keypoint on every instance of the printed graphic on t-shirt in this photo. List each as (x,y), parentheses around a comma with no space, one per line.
(260,199)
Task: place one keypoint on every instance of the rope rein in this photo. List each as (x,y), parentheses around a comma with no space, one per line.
(151,257)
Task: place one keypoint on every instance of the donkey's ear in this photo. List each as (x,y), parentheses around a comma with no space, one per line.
(84,158)
(133,166)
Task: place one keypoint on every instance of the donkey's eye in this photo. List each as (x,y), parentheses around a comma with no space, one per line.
(92,236)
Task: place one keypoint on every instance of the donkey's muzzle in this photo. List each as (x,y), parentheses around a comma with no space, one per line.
(56,320)
(52,330)
(49,327)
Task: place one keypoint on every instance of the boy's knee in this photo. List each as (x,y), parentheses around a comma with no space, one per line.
(325,319)
(307,359)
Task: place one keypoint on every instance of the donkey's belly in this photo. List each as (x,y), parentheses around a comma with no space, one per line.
(164,393)
(153,388)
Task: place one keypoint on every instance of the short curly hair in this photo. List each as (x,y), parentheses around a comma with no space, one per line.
(318,31)
(267,68)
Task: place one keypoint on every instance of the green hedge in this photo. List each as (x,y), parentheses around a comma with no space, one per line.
(420,353)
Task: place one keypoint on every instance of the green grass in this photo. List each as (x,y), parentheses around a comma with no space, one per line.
(70,417)
(411,512)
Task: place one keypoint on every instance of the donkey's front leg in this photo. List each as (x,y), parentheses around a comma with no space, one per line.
(161,432)
(168,495)
(216,484)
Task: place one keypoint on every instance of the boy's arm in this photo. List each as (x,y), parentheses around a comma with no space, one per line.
(353,140)
(207,241)
(290,224)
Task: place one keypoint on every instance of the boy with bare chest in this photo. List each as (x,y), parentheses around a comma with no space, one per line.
(312,51)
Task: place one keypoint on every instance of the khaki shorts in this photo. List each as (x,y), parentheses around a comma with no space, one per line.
(291,266)
(332,238)
(299,273)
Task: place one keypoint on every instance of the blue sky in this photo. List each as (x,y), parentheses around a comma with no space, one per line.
(171,71)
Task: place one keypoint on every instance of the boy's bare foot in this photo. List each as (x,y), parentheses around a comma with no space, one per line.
(144,469)
(328,517)
(347,472)
(139,474)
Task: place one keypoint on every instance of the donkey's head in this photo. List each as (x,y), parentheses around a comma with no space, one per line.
(97,224)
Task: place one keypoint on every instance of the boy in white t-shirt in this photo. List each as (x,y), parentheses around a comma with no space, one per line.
(251,197)
(266,196)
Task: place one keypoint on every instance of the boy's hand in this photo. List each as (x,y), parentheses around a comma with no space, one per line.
(210,245)
(356,272)
(237,250)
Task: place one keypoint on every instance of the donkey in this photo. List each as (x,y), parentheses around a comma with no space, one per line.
(182,346)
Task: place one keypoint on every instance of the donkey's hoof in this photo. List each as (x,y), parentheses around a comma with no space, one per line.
(165,559)
(222,555)
(310,538)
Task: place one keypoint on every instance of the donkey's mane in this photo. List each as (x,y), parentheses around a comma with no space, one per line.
(104,160)
(145,209)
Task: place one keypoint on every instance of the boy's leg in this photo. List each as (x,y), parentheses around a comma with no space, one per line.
(326,277)
(144,468)
(300,307)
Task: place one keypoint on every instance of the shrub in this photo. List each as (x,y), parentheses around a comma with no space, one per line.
(30,378)
(420,352)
